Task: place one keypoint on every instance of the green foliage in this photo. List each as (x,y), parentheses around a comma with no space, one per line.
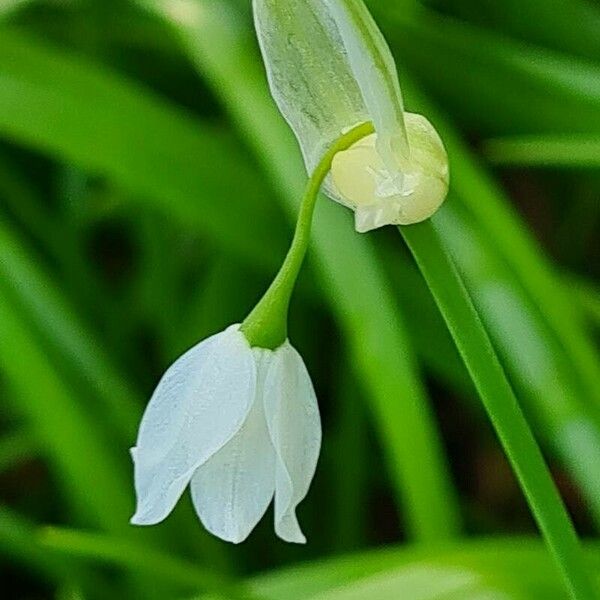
(147,190)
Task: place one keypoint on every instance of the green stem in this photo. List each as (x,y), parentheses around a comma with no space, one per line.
(266,325)
(501,405)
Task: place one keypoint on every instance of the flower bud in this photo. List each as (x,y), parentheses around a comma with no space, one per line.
(330,69)
(362,182)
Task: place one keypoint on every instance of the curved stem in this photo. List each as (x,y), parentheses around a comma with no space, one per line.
(266,325)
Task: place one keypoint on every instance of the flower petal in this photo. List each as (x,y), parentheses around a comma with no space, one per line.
(233,489)
(294,424)
(199,404)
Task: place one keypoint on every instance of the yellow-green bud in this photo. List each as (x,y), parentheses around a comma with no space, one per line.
(362,182)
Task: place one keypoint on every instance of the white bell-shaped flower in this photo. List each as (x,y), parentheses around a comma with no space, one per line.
(240,425)
(329,70)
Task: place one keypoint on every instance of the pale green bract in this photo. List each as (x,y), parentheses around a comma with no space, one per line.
(330,69)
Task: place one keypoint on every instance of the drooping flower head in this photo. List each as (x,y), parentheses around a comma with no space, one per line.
(239,426)
(329,69)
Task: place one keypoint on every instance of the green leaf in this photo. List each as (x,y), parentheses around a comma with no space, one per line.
(16,534)
(497,85)
(500,403)
(16,448)
(8,7)
(536,363)
(513,564)
(519,560)
(48,310)
(78,112)
(427,581)
(77,358)
(66,434)
(572,151)
(546,23)
(425,325)
(587,294)
(498,222)
(350,446)
(138,558)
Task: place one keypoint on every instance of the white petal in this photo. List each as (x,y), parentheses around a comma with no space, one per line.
(233,489)
(200,403)
(295,428)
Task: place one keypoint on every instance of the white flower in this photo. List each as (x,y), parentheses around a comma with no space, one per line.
(239,425)
(330,69)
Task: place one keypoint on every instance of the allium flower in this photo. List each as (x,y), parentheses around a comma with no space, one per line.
(330,69)
(240,425)
(236,417)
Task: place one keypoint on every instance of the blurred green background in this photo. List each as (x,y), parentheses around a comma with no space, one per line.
(148,188)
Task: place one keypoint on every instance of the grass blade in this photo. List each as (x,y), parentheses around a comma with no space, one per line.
(588,296)
(535,361)
(515,245)
(546,23)
(16,448)
(136,557)
(511,87)
(522,560)
(105,124)
(501,405)
(19,544)
(66,434)
(57,322)
(428,581)
(425,325)
(351,446)
(58,333)
(16,534)
(572,151)
(9,7)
